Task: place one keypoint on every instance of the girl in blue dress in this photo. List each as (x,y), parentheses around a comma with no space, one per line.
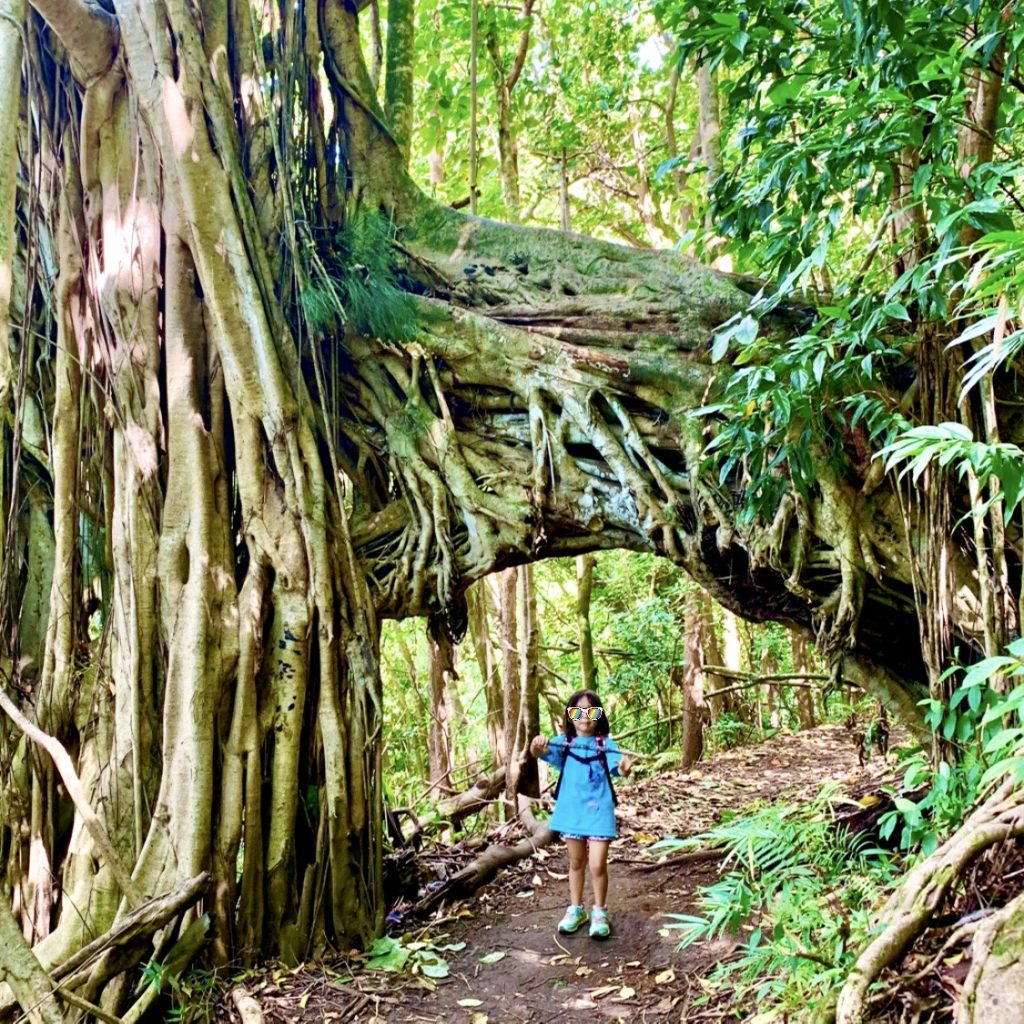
(587,758)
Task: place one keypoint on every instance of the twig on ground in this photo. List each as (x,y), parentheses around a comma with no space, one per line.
(689,857)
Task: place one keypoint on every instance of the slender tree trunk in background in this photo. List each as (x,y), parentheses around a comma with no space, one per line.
(691,681)
(772,692)
(737,657)
(671,140)
(663,706)
(527,780)
(710,129)
(12,16)
(804,696)
(659,232)
(563,193)
(977,137)
(976,146)
(479,600)
(713,656)
(508,585)
(584,589)
(474,53)
(398,76)
(504,84)
(440,738)
(435,164)
(376,47)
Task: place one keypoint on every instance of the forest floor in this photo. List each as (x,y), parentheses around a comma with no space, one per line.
(636,976)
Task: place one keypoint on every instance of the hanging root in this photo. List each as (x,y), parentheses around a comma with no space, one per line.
(910,908)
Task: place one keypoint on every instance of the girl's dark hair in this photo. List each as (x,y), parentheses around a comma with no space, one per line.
(602,728)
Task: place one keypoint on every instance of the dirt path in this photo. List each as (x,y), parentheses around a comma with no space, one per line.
(637,975)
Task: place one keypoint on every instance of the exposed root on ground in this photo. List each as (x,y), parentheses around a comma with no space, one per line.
(924,891)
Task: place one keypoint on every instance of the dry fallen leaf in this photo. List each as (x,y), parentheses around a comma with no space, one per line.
(471,1002)
(665,977)
(600,993)
(582,972)
(478,1018)
(626,992)
(644,838)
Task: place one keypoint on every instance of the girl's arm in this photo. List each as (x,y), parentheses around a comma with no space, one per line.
(552,751)
(618,763)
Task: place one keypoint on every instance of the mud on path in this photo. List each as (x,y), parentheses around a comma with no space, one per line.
(637,975)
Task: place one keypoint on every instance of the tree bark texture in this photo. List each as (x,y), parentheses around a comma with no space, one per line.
(398,79)
(690,680)
(584,590)
(804,697)
(440,736)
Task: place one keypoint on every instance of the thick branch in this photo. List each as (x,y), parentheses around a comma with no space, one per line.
(526,13)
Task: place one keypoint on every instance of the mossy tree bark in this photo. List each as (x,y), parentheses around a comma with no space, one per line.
(245,479)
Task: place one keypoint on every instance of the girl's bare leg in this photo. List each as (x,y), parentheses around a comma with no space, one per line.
(599,870)
(577,869)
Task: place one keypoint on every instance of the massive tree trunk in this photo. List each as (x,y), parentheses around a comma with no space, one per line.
(250,466)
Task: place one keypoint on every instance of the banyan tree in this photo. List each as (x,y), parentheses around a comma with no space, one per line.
(259,394)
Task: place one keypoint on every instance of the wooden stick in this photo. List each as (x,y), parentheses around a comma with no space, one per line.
(139,924)
(73,784)
(689,857)
(177,960)
(248,1009)
(86,1007)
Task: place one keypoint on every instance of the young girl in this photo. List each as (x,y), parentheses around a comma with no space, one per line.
(586,757)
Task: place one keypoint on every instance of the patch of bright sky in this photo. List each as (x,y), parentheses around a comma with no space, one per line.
(652,52)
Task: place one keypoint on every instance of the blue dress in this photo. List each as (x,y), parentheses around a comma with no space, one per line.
(584,806)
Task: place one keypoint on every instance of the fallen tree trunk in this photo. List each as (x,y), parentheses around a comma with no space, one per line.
(455,809)
(481,870)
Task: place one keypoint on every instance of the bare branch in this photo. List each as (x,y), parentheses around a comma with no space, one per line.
(75,789)
(89,34)
(524,46)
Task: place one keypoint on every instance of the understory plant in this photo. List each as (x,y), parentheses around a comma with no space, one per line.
(797,894)
(981,725)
